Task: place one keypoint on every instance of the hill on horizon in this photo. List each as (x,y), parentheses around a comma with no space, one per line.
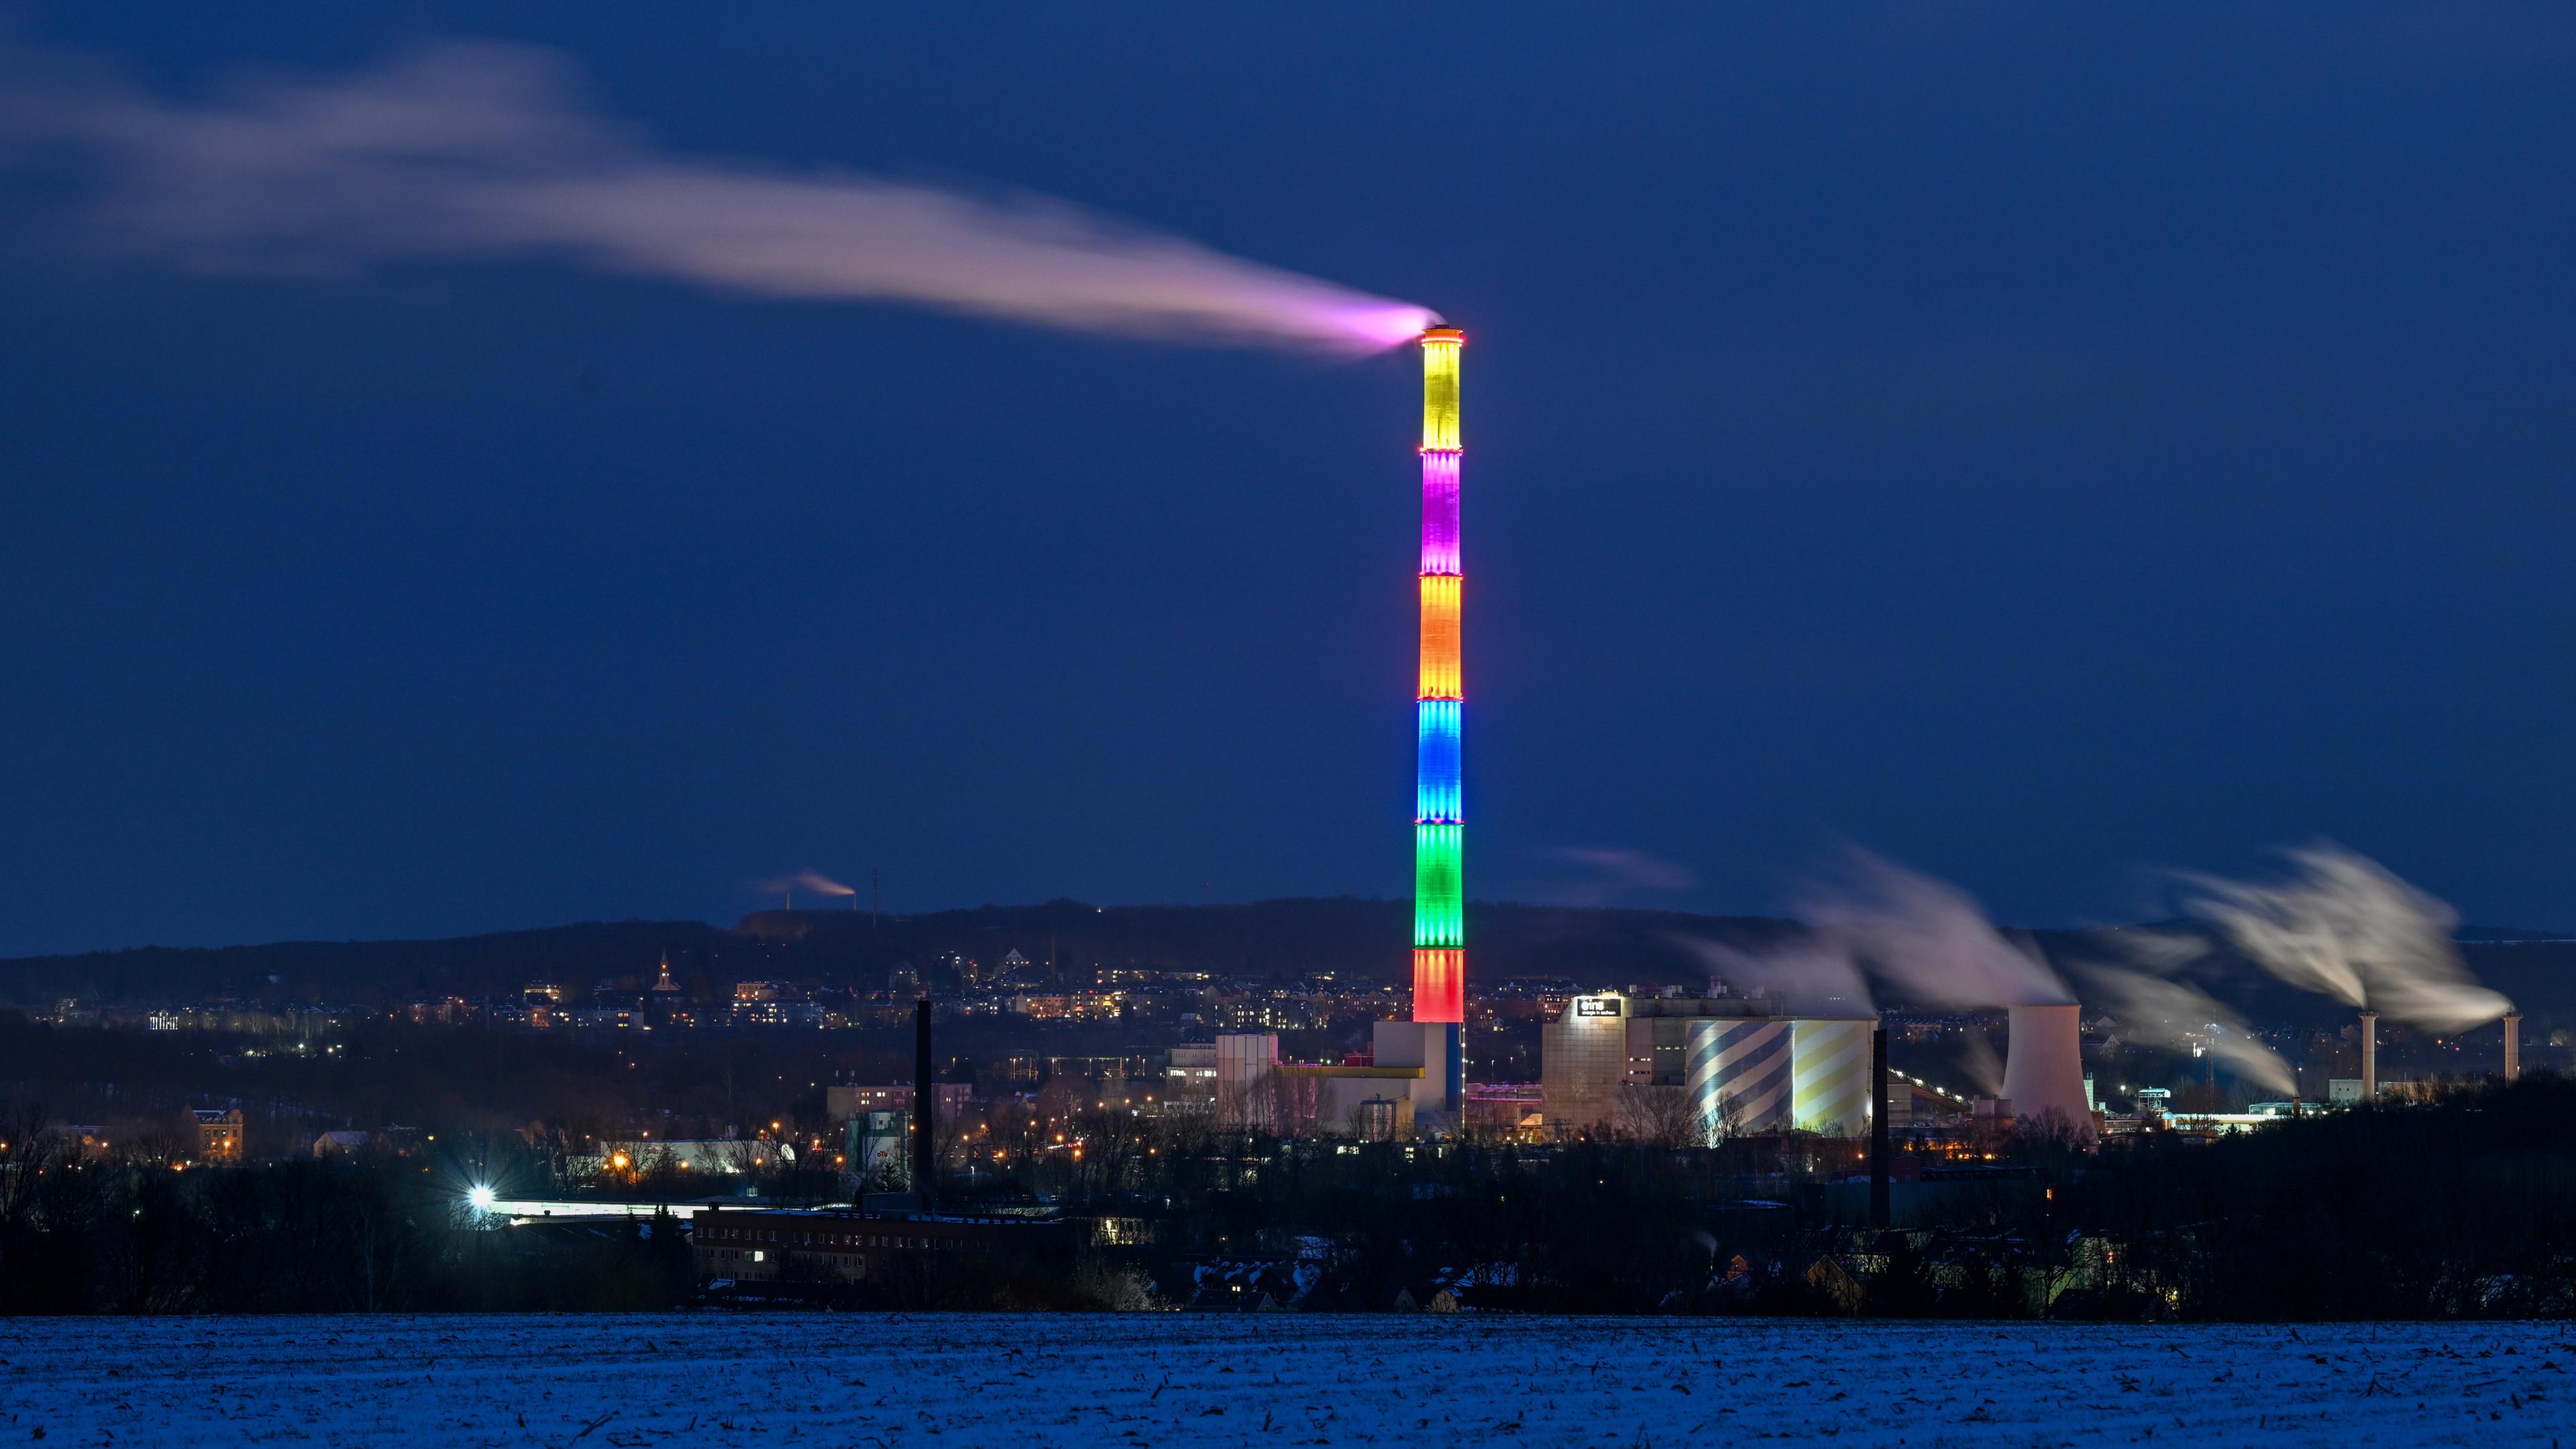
(1353,939)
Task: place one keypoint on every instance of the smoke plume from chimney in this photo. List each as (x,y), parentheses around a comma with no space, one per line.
(808,880)
(465,151)
(2346,928)
(2176,1015)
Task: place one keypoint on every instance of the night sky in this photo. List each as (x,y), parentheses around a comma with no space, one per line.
(2042,448)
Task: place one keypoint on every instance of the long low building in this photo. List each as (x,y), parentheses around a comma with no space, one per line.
(724,1157)
(1699,1068)
(1401,1089)
(858,1245)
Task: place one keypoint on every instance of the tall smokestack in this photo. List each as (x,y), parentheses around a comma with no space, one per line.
(2044,1067)
(2370,1056)
(1878,1125)
(2512,1045)
(1439,885)
(925,1095)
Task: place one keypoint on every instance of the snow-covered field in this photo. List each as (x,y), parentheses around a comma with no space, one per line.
(1221,1381)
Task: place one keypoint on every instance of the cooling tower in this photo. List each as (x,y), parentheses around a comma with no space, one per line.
(1738,1076)
(2044,1068)
(1829,1076)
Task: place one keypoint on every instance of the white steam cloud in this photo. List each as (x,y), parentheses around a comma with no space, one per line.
(2344,927)
(1813,973)
(1879,922)
(466,151)
(1609,874)
(1980,1063)
(1928,938)
(2176,1015)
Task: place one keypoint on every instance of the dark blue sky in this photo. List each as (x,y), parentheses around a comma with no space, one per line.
(2039,447)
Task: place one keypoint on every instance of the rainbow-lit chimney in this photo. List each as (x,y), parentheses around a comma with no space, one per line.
(1439,884)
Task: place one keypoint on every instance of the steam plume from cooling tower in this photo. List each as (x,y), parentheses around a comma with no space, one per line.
(1935,942)
(465,151)
(1930,939)
(2157,1009)
(2345,927)
(1980,1063)
(1814,973)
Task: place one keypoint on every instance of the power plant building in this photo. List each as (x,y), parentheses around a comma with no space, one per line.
(1829,1076)
(1701,1068)
(1737,1080)
(1403,1088)
(1621,1062)
(874,1148)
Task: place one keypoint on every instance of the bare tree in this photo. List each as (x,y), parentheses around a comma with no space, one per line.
(1661,1116)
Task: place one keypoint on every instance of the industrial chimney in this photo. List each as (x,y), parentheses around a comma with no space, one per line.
(2512,1045)
(1439,807)
(925,1096)
(2044,1067)
(1878,1124)
(2370,1056)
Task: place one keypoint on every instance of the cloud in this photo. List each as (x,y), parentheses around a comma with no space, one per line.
(1610,874)
(467,151)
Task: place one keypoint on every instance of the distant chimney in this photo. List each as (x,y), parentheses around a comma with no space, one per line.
(2370,1056)
(925,1096)
(1878,1124)
(2512,1045)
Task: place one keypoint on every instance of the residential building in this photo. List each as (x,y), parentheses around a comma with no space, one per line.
(949,1100)
(219,1134)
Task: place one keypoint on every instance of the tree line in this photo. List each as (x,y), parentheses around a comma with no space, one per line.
(2463,1206)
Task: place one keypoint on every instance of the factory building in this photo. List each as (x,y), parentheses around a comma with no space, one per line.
(1401,1091)
(1829,1073)
(1621,1061)
(1244,1062)
(1701,1068)
(874,1149)
(1738,1080)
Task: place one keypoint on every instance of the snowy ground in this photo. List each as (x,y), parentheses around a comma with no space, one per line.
(1218,1382)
